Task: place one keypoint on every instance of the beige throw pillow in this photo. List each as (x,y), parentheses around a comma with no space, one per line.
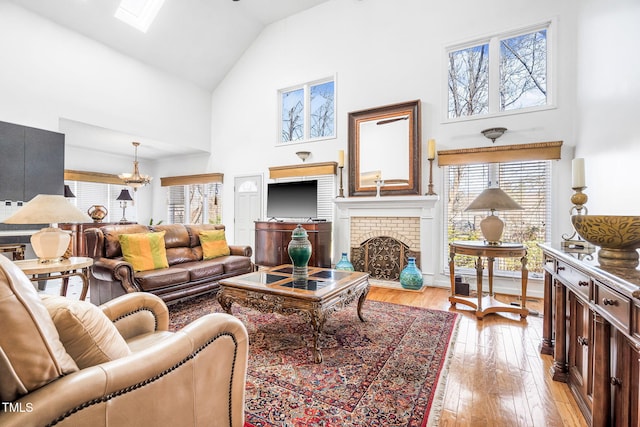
(31,354)
(86,333)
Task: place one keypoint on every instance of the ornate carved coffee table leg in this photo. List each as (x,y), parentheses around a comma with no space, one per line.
(318,319)
(225,301)
(363,297)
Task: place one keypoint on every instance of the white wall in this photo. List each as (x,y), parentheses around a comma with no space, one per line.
(609,103)
(384,52)
(49,73)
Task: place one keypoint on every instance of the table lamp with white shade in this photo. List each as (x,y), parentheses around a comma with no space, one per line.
(50,243)
(493,199)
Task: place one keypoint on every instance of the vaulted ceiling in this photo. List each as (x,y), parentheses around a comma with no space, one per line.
(195,40)
(198,40)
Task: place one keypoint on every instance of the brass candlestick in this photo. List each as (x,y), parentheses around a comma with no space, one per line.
(579,199)
(341,189)
(431,192)
(574,241)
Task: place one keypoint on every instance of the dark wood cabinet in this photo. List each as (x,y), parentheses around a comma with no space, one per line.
(32,162)
(580,356)
(272,240)
(78,243)
(592,328)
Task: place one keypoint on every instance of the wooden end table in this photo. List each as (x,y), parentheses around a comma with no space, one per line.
(276,291)
(74,266)
(486,304)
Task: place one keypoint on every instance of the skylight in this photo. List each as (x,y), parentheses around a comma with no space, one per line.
(139,13)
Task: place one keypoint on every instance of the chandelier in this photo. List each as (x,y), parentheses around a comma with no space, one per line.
(135,179)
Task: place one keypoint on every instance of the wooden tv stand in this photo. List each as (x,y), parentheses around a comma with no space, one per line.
(273,237)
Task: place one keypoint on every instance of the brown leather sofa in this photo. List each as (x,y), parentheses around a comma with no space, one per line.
(60,365)
(188,274)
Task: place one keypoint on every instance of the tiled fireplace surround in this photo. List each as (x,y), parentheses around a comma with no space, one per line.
(408,219)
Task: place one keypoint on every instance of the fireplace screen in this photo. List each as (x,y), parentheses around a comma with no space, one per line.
(382,257)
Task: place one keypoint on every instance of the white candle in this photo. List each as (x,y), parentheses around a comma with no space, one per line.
(431,152)
(341,158)
(577,167)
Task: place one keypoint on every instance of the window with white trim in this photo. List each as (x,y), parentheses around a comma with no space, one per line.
(195,203)
(504,72)
(307,112)
(528,183)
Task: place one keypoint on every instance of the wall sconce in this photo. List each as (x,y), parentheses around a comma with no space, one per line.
(493,133)
(304,155)
(124,197)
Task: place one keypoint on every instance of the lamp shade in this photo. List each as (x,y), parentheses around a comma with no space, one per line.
(124,195)
(493,199)
(49,244)
(47,209)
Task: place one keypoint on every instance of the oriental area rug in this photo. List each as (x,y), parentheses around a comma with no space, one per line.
(387,371)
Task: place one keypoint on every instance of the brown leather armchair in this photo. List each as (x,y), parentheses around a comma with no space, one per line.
(195,376)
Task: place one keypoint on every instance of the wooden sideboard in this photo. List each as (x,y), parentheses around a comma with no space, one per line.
(78,244)
(273,237)
(592,329)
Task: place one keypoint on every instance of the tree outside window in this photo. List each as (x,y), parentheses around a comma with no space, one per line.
(523,71)
(293,115)
(308,112)
(500,74)
(469,81)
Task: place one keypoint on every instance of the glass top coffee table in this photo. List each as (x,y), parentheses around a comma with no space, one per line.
(275,290)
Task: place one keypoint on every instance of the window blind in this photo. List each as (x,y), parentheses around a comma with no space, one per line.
(528,183)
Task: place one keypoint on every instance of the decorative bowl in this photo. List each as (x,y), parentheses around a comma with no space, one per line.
(617,236)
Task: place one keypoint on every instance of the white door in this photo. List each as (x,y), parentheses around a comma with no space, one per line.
(247,208)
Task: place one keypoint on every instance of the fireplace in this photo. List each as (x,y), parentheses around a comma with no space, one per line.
(381,246)
(380,233)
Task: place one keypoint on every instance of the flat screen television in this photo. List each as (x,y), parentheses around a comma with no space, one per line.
(297,199)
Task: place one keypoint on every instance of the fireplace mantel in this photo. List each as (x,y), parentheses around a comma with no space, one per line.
(387,202)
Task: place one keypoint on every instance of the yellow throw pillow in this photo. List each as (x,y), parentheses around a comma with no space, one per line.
(214,244)
(145,251)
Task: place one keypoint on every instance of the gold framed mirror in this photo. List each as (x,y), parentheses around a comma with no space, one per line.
(384,150)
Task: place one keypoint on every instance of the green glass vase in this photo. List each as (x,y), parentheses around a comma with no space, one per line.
(299,251)
(344,263)
(411,276)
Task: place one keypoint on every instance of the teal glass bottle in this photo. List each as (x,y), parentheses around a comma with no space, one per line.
(344,263)
(299,251)
(411,276)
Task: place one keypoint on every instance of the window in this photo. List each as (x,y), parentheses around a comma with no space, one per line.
(195,203)
(89,194)
(527,182)
(307,112)
(138,13)
(502,73)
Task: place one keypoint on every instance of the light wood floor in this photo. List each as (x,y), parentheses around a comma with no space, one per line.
(497,376)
